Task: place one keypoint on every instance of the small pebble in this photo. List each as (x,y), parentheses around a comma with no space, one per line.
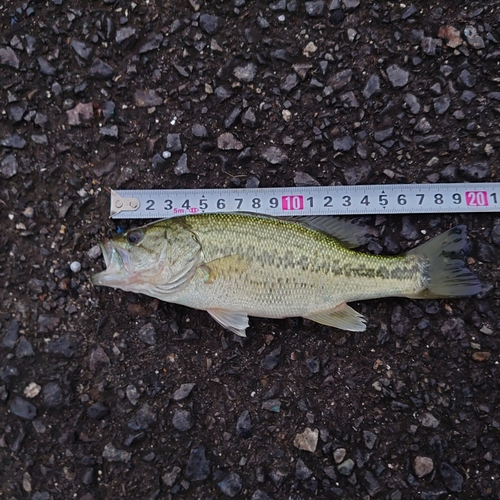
(197,467)
(339,455)
(22,408)
(310,49)
(199,130)
(481,356)
(372,86)
(24,348)
(143,419)
(302,472)
(14,141)
(315,8)
(245,73)
(82,112)
(112,454)
(397,76)
(98,359)
(343,144)
(32,390)
(182,420)
(271,360)
(451,35)
(273,405)
(301,179)
(211,24)
(307,440)
(147,98)
(147,334)
(412,102)
(9,58)
(132,394)
(94,253)
(346,467)
(340,80)
(452,479)
(370,439)
(8,166)
(52,395)
(466,79)
(46,68)
(260,495)
(101,70)
(384,134)
(423,466)
(109,131)
(231,485)
(430,421)
(12,334)
(473,39)
(181,168)
(183,392)
(97,411)
(244,425)
(441,104)
(169,478)
(75,266)
(477,171)
(81,48)
(228,141)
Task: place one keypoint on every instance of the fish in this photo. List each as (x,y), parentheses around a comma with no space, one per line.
(236,265)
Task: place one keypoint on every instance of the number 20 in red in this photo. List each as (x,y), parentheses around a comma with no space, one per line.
(476,198)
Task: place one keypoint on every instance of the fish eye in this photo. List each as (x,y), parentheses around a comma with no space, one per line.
(134,237)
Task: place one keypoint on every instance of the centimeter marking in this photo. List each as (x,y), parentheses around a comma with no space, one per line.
(321,200)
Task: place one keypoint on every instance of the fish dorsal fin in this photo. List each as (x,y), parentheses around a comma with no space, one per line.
(348,233)
(235,321)
(343,317)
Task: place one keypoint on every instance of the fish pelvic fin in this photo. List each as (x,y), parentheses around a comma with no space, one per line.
(446,273)
(343,317)
(234,321)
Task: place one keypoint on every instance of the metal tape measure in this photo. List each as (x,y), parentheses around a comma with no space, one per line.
(321,200)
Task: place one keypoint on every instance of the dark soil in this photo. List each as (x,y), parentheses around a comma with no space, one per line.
(349,92)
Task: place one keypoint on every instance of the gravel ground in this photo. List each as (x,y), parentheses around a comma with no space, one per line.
(105,394)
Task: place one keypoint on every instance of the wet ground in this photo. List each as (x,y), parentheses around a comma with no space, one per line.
(105,394)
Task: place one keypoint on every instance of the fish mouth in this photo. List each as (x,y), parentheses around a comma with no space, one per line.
(117,262)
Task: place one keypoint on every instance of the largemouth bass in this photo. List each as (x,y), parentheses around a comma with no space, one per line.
(239,265)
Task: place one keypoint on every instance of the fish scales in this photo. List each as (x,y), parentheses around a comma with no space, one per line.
(235,265)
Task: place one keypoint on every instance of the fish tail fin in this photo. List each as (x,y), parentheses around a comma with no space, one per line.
(447,275)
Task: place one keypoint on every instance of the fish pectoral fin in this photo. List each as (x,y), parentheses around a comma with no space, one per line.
(230,265)
(343,317)
(236,322)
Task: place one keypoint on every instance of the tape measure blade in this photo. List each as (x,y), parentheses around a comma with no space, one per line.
(315,200)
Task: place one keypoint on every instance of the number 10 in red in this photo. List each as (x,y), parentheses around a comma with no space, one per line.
(295,202)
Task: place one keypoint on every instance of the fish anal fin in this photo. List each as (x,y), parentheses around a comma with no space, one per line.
(343,317)
(234,321)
